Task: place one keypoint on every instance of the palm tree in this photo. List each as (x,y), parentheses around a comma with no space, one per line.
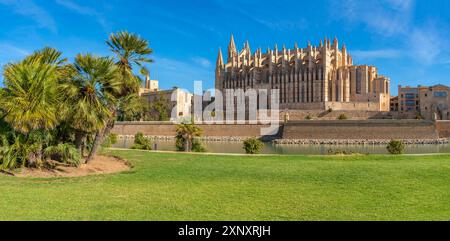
(130,51)
(29,103)
(187,132)
(30,97)
(90,93)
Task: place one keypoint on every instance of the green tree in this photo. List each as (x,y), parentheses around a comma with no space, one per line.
(31,95)
(90,92)
(132,108)
(129,51)
(31,104)
(158,110)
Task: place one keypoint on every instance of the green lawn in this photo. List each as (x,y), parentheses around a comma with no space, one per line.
(164,186)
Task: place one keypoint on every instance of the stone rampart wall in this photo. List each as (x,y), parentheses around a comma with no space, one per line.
(362,129)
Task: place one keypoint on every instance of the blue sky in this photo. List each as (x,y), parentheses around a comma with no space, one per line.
(406,39)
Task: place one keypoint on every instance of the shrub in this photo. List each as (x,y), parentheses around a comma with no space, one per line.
(197,146)
(179,143)
(252,146)
(19,151)
(308,117)
(342,117)
(185,137)
(330,110)
(141,142)
(110,140)
(65,153)
(396,147)
(340,152)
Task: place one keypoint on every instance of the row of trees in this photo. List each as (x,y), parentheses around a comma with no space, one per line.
(49,106)
(142,110)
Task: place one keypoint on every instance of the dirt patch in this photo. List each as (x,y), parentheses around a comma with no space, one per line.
(100,165)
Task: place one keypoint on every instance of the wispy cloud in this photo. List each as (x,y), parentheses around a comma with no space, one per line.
(386,17)
(87,11)
(11,50)
(278,24)
(29,9)
(202,62)
(393,19)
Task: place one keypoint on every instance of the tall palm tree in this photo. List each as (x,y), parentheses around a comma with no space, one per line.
(130,51)
(91,92)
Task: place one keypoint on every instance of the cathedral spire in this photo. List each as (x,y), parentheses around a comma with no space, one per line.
(231,48)
(219,62)
(247,46)
(335,43)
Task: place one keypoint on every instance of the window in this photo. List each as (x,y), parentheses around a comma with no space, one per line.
(410,96)
(440,94)
(410,103)
(358,81)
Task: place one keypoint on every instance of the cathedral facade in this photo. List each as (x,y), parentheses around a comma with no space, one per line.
(319,77)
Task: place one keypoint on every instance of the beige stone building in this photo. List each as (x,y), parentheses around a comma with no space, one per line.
(431,102)
(312,78)
(176,100)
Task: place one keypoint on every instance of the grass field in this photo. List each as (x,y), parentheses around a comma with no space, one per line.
(164,186)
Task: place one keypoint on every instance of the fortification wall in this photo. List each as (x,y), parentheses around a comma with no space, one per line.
(363,129)
(168,129)
(334,114)
(443,128)
(312,129)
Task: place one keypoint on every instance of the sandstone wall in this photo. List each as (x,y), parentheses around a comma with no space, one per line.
(312,129)
(443,128)
(351,115)
(168,129)
(363,129)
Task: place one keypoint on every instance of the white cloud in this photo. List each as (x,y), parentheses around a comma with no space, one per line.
(278,24)
(87,11)
(388,17)
(13,51)
(202,62)
(28,8)
(393,19)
